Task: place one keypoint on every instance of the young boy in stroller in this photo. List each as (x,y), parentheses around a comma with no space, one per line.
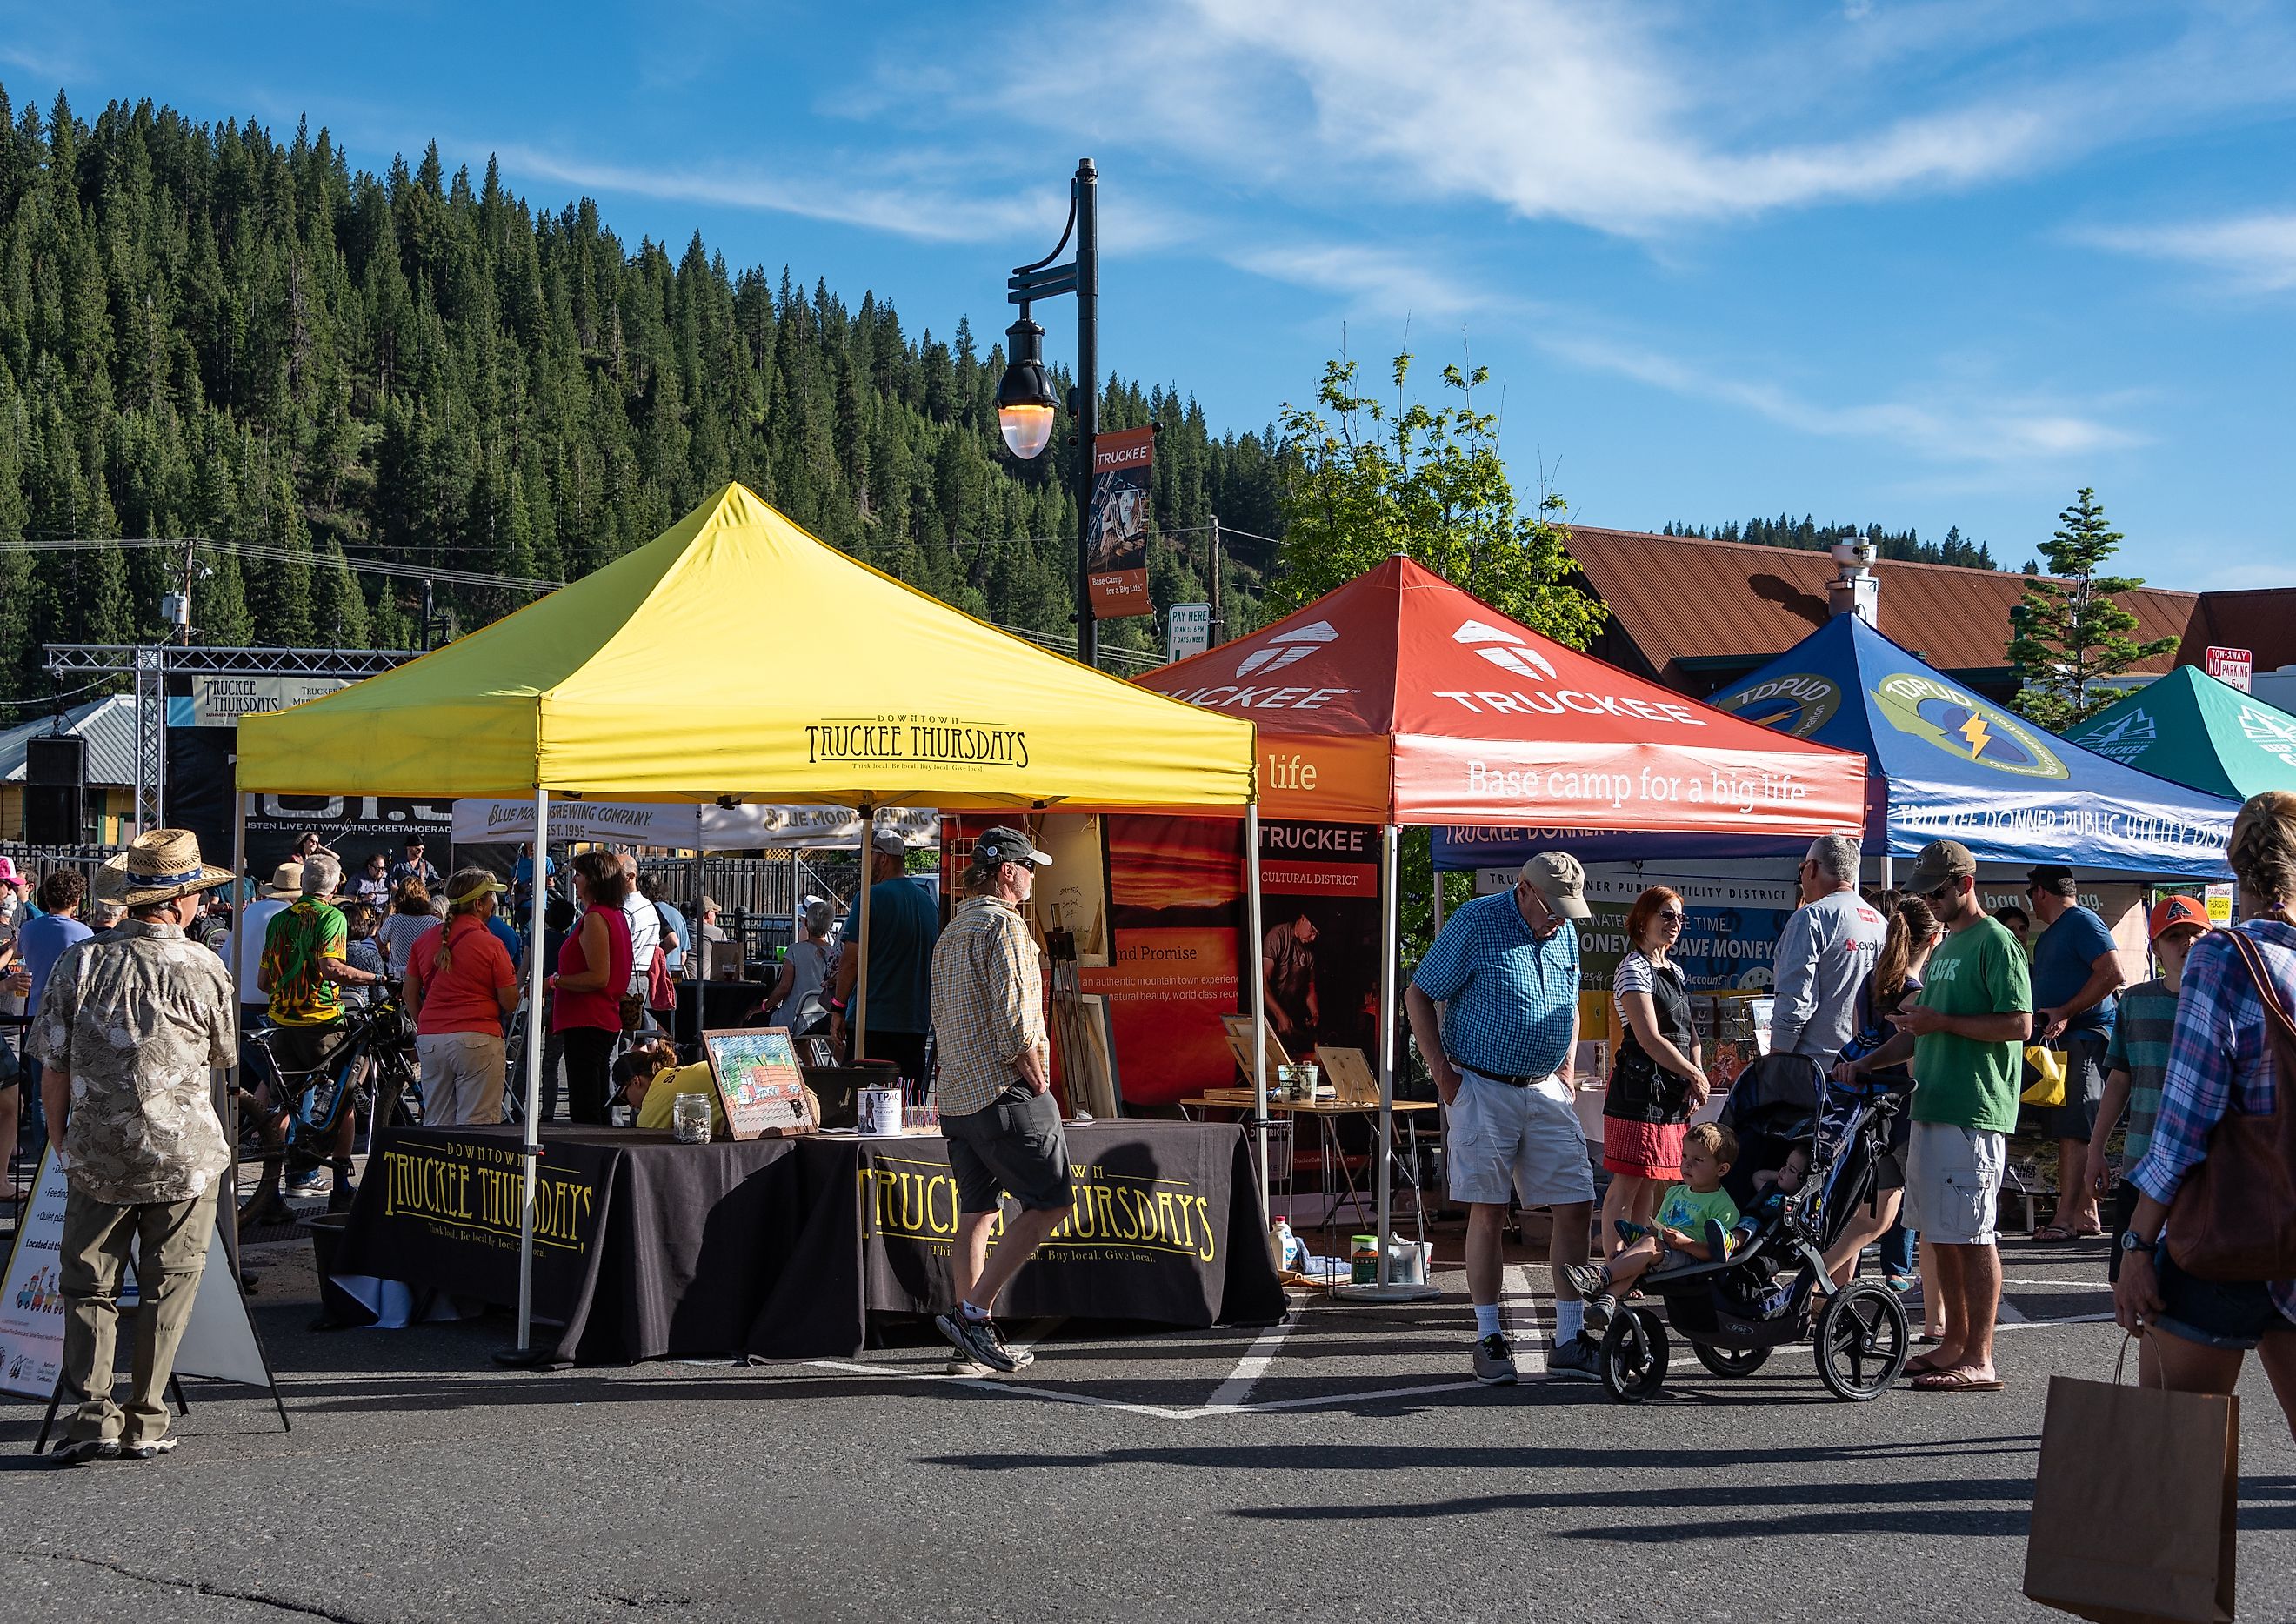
(1677,1230)
(1740,1288)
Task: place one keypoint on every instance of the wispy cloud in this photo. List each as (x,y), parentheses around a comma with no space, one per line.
(1959,420)
(1946,424)
(1377,281)
(1629,120)
(2255,253)
(928,214)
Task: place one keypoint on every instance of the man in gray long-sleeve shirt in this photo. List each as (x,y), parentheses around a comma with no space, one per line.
(1825,954)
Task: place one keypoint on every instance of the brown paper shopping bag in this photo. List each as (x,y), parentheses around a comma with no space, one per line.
(2133,1514)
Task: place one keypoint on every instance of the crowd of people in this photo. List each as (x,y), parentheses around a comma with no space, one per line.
(1920,992)
(1924,993)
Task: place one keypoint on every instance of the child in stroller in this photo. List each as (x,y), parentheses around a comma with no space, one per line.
(1763,1281)
(1677,1230)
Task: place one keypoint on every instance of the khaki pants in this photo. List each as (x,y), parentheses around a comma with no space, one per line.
(173,1237)
(461,1078)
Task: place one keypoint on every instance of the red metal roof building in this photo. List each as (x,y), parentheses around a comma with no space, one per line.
(1697,614)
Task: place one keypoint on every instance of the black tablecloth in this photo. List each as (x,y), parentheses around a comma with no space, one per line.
(785,1249)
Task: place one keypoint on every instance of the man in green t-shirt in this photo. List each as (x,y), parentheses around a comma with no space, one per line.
(1969,1028)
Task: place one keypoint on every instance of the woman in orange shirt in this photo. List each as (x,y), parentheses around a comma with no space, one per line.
(460,984)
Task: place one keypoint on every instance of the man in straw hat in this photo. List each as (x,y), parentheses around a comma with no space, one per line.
(125,1034)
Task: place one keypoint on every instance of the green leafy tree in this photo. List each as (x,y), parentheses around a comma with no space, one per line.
(2069,633)
(1365,480)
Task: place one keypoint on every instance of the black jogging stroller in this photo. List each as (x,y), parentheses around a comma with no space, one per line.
(1766,1285)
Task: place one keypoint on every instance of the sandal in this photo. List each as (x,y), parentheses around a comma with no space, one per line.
(1956,1381)
(2053,1233)
(1921,1365)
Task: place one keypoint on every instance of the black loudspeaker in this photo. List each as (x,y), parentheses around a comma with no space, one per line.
(53,814)
(56,758)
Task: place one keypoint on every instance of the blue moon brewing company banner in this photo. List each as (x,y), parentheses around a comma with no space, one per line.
(1117,528)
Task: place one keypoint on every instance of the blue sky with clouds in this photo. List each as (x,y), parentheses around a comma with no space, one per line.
(1928,263)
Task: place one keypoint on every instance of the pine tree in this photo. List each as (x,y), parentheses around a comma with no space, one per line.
(206,332)
(2068,634)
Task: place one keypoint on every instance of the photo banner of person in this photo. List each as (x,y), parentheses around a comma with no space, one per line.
(1117,525)
(1176,917)
(1319,906)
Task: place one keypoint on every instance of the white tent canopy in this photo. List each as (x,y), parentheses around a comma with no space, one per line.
(706,827)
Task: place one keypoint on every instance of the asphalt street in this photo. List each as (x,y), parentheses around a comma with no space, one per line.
(1339,1467)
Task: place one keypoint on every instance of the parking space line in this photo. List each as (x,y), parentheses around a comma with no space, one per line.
(1231,1393)
(1535,1330)
(993,1385)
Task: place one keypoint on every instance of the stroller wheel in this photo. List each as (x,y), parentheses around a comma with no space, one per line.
(1862,1342)
(1730,1361)
(1633,1355)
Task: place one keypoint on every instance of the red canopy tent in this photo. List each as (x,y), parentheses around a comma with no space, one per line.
(1399,698)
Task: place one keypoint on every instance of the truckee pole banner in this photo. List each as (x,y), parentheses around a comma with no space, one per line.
(1117,528)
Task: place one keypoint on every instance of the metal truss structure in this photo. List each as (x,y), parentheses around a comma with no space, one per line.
(152,664)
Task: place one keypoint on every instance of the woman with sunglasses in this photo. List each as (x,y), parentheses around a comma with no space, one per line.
(1657,1080)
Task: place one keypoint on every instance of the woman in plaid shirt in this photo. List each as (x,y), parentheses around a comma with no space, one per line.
(2219,1060)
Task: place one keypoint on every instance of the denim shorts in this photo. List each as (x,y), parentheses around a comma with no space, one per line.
(2215,1313)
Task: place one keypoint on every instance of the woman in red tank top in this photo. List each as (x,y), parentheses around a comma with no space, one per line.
(593,968)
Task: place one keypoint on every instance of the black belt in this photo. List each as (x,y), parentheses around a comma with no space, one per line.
(1496,1077)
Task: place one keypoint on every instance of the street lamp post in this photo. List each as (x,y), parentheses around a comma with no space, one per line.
(1025,398)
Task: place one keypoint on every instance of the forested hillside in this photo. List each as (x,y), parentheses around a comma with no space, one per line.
(205,332)
(1785,531)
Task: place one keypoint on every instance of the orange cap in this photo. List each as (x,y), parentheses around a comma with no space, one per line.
(2171,911)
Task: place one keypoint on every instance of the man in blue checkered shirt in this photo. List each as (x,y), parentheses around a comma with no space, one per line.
(1506,967)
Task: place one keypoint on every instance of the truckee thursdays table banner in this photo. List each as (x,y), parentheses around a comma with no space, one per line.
(783,1248)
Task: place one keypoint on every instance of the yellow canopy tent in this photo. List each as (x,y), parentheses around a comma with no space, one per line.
(737,655)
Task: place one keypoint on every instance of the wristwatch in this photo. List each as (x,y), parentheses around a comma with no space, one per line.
(2130,1240)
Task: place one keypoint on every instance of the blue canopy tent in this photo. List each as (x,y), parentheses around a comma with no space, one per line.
(1942,764)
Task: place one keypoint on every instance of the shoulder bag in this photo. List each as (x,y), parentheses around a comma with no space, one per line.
(2234,1216)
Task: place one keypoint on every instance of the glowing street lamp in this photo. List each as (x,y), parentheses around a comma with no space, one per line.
(1025,401)
(1025,398)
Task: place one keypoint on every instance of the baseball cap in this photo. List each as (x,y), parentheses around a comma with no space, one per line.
(2172,911)
(890,843)
(1940,861)
(1558,876)
(2054,878)
(1005,844)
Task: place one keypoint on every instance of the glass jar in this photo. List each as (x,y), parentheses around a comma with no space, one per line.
(689,1118)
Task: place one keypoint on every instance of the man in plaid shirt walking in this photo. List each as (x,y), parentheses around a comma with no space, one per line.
(993,1091)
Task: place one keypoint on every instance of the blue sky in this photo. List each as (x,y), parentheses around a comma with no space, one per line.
(1927,264)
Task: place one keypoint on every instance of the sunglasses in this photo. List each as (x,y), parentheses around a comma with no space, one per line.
(1951,887)
(1672,916)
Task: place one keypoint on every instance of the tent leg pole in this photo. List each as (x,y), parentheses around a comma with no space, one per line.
(1258,1015)
(1888,880)
(859,1024)
(1391,950)
(530,1147)
(231,1078)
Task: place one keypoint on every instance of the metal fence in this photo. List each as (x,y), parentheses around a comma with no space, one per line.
(34,863)
(758,897)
